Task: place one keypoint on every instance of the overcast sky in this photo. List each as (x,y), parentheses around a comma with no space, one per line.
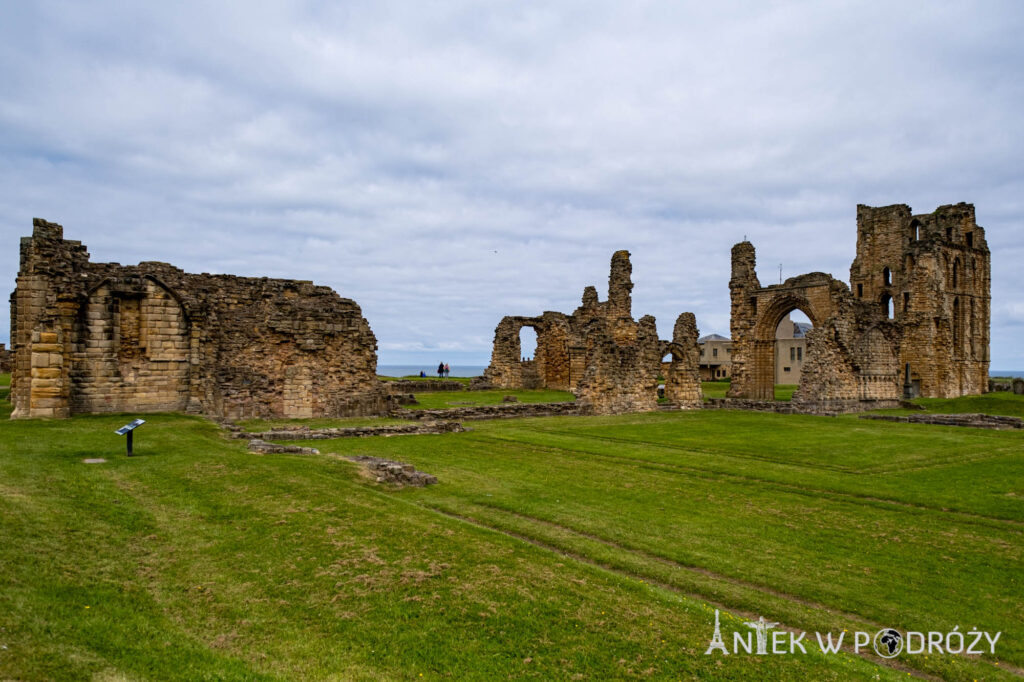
(448,163)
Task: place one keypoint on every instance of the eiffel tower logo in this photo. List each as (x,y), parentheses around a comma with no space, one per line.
(716,640)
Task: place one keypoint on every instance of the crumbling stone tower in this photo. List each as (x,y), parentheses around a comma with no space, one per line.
(919,295)
(610,360)
(935,271)
(101,337)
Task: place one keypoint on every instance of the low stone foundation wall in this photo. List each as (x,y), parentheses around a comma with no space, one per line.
(305,433)
(745,404)
(504,411)
(428,386)
(826,408)
(1016,386)
(262,447)
(978,421)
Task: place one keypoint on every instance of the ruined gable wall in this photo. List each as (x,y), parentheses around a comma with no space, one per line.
(682,381)
(939,269)
(934,269)
(100,337)
(608,359)
(619,377)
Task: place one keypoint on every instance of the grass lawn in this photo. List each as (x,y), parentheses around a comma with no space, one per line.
(445,399)
(717,389)
(552,548)
(784,391)
(714,389)
(346,422)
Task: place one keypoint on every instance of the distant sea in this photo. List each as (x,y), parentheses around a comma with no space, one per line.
(477,370)
(431,370)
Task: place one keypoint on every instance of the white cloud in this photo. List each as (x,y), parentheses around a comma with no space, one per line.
(445,164)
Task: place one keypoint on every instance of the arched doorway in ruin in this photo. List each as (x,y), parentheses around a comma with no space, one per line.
(790,352)
(775,348)
(131,348)
(531,366)
(527,342)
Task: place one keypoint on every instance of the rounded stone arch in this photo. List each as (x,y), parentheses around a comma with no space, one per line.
(762,352)
(132,346)
(170,291)
(915,230)
(770,315)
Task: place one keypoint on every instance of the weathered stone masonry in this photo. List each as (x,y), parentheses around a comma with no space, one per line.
(600,352)
(932,271)
(101,337)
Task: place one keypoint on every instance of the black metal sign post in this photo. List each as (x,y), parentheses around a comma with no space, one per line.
(127,430)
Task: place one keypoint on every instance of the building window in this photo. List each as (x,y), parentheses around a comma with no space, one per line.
(785,369)
(970,239)
(714,352)
(792,354)
(906,301)
(860,291)
(886,276)
(800,354)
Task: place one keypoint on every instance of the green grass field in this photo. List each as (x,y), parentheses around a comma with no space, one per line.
(446,399)
(717,389)
(556,548)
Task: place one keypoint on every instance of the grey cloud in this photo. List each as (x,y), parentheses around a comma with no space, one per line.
(445,164)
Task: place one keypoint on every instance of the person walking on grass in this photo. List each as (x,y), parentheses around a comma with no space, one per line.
(440,371)
(447,370)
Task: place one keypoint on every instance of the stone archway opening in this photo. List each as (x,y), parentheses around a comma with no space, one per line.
(527,343)
(779,334)
(790,352)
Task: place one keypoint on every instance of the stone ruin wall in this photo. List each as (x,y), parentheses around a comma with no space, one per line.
(609,360)
(5,359)
(934,268)
(101,337)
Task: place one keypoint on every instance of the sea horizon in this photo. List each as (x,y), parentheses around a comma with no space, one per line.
(429,369)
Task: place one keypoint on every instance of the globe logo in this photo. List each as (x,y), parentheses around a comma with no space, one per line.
(888,643)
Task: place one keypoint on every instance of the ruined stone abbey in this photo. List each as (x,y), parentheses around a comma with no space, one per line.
(101,337)
(919,298)
(600,353)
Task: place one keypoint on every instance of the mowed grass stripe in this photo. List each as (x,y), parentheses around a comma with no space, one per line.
(198,560)
(735,597)
(1002,450)
(757,482)
(832,438)
(993,490)
(830,540)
